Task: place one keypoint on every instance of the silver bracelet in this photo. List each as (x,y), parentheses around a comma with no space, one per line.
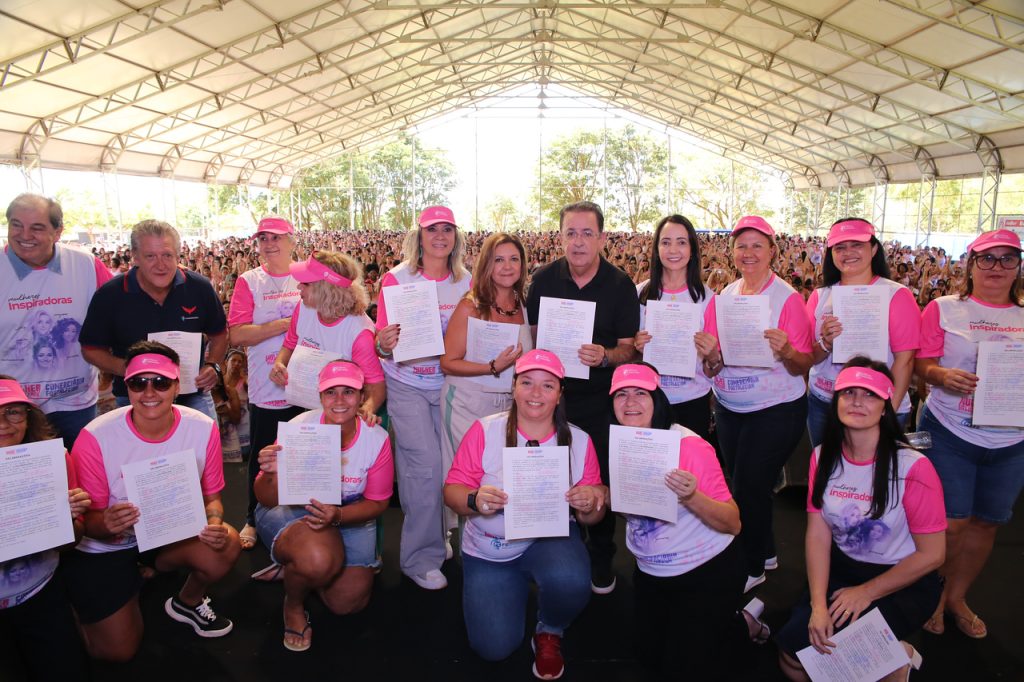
(821,342)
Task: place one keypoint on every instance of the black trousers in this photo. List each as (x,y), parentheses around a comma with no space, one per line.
(600,536)
(263,432)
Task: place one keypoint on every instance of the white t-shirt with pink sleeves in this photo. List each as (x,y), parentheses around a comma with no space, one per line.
(748,389)
(904,334)
(421,372)
(916,507)
(666,549)
(348,338)
(111,441)
(950,331)
(478,462)
(681,389)
(261,297)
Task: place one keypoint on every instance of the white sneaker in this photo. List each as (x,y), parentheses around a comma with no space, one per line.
(753,581)
(771,563)
(431,580)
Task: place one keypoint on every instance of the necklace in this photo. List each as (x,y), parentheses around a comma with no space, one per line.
(507,313)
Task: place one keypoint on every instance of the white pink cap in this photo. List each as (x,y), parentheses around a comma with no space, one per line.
(432,215)
(311,270)
(11,392)
(275,225)
(151,363)
(850,231)
(753,222)
(867,378)
(990,240)
(340,373)
(634,376)
(540,359)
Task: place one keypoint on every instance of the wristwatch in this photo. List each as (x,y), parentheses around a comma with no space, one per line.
(471,501)
(217,369)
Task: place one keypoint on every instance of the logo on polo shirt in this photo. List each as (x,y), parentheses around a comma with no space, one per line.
(189,311)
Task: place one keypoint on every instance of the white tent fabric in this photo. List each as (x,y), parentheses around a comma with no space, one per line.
(829,92)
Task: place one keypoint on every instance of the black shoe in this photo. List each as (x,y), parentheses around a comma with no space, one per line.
(602,578)
(203,620)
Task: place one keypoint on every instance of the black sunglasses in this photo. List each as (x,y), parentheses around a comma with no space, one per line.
(138,384)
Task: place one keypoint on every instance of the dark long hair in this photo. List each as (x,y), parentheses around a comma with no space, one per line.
(652,292)
(967,288)
(39,427)
(830,456)
(879,266)
(662,416)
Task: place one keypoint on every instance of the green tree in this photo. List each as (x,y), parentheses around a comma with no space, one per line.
(502,214)
(637,173)
(718,190)
(572,171)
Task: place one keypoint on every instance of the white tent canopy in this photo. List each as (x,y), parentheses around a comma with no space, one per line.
(832,93)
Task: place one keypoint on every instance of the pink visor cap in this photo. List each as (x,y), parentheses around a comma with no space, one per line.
(275,226)
(850,231)
(151,363)
(340,374)
(634,376)
(753,222)
(432,215)
(864,377)
(541,359)
(11,392)
(311,270)
(990,240)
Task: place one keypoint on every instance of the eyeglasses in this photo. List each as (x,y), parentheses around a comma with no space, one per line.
(1008,261)
(138,384)
(15,414)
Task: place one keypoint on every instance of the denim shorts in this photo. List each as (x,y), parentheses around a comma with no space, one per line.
(977,481)
(360,541)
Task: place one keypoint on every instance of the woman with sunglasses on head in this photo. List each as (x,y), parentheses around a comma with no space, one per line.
(981,467)
(103,573)
(34,610)
(433,252)
(325,548)
(497,572)
(690,574)
(854,257)
(675,276)
(875,523)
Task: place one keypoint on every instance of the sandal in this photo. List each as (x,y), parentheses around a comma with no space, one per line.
(752,614)
(271,574)
(247,536)
(304,644)
(973,626)
(936,624)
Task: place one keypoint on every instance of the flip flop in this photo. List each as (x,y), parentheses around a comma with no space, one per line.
(935,625)
(247,536)
(301,635)
(271,574)
(974,627)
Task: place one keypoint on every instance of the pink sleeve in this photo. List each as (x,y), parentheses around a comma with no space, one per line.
(380,479)
(291,337)
(923,500)
(711,318)
(812,469)
(933,336)
(698,457)
(365,355)
(242,304)
(212,479)
(89,469)
(793,320)
(468,466)
(811,306)
(388,280)
(904,322)
(70,466)
(103,275)
(591,469)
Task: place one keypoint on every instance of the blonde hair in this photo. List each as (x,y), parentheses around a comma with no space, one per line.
(483,291)
(412,252)
(332,301)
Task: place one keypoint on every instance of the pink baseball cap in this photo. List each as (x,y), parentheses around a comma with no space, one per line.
(864,377)
(753,222)
(634,376)
(11,392)
(990,240)
(850,231)
(153,363)
(275,225)
(340,373)
(311,270)
(433,215)
(540,359)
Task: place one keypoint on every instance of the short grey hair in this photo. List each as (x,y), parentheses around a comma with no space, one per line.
(56,214)
(154,228)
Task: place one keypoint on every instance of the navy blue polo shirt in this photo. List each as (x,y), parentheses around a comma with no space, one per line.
(617,316)
(121,313)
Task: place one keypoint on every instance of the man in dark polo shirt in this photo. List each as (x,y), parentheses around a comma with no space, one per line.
(584,275)
(155,296)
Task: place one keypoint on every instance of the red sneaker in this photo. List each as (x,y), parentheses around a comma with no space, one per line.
(547,650)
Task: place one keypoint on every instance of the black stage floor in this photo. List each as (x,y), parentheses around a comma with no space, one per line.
(411,634)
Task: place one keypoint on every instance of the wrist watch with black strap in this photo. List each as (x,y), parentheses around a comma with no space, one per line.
(217,369)
(471,501)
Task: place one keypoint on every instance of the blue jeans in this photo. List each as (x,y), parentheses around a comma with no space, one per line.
(201,401)
(70,422)
(494,593)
